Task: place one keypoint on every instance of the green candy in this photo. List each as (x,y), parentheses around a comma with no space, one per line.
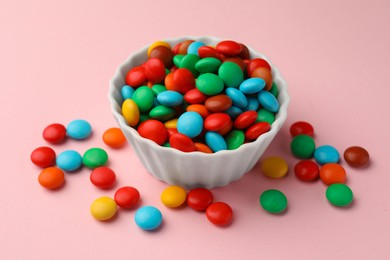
(177,59)
(273,201)
(143,97)
(263,115)
(303,146)
(274,90)
(339,195)
(158,88)
(167,144)
(235,139)
(231,74)
(208,64)
(209,84)
(95,157)
(143,117)
(162,113)
(188,62)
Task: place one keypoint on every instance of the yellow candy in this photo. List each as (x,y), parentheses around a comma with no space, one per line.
(130,112)
(171,123)
(156,44)
(173,196)
(103,208)
(274,167)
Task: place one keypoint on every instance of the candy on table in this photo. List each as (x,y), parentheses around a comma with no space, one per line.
(274,167)
(326,154)
(69,160)
(51,178)
(303,146)
(103,177)
(203,80)
(173,196)
(356,156)
(43,157)
(199,199)
(79,129)
(95,157)
(127,197)
(306,170)
(273,201)
(148,218)
(54,133)
(331,173)
(114,137)
(103,208)
(219,213)
(339,195)
(301,128)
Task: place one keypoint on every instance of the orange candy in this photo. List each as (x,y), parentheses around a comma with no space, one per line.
(114,137)
(331,173)
(200,109)
(201,147)
(51,177)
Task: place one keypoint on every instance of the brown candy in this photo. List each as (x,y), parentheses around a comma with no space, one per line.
(356,156)
(264,74)
(164,54)
(218,103)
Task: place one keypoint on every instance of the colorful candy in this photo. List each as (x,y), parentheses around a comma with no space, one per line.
(302,128)
(153,130)
(51,177)
(54,133)
(95,157)
(303,146)
(219,213)
(326,154)
(148,218)
(331,173)
(103,177)
(273,201)
(103,208)
(274,167)
(69,160)
(199,199)
(127,197)
(114,137)
(190,124)
(79,129)
(173,196)
(339,195)
(306,170)
(356,156)
(43,157)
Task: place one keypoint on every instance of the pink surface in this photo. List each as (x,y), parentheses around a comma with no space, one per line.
(56,61)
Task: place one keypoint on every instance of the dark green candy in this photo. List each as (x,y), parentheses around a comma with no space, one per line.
(263,115)
(189,62)
(274,90)
(162,113)
(273,201)
(235,139)
(95,157)
(303,146)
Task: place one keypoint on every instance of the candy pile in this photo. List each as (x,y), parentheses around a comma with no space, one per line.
(194,97)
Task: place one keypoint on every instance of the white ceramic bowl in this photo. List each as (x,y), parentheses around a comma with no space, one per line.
(196,169)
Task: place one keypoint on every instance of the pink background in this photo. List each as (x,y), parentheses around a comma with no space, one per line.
(56,60)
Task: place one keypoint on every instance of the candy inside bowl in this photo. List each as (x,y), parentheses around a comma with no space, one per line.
(195,167)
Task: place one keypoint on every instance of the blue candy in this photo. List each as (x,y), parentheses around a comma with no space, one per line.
(193,47)
(252,85)
(268,101)
(253,104)
(190,124)
(69,160)
(215,141)
(238,98)
(78,129)
(234,112)
(326,154)
(170,98)
(127,92)
(148,218)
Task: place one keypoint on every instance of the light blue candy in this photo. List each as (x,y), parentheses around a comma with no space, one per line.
(238,98)
(127,92)
(326,154)
(148,218)
(69,160)
(234,112)
(253,104)
(79,129)
(215,141)
(268,101)
(193,47)
(170,98)
(190,124)
(252,85)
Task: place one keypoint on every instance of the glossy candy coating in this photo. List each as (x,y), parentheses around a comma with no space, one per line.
(215,141)
(218,103)
(69,160)
(51,178)
(182,143)
(306,170)
(143,97)
(194,96)
(171,123)
(326,154)
(148,218)
(54,133)
(130,112)
(229,48)
(78,129)
(231,74)
(356,156)
(199,199)
(257,63)
(339,195)
(188,62)
(273,201)
(201,147)
(245,120)
(156,44)
(114,137)
(194,46)
(268,101)
(155,70)
(154,130)
(162,113)
(164,54)
(127,197)
(127,92)
(43,157)
(265,75)
(219,213)
(158,88)
(207,51)
(170,98)
(182,81)
(209,84)
(302,128)
(274,167)
(216,121)
(136,76)
(234,111)
(253,104)
(331,173)
(173,196)
(235,139)
(103,177)
(95,157)
(200,109)
(263,115)
(209,64)
(252,85)
(238,98)
(302,146)
(257,129)
(103,208)
(190,124)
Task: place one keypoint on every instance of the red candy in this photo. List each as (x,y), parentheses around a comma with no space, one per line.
(54,133)
(246,119)
(136,76)
(194,96)
(257,63)
(103,177)
(171,131)
(154,130)
(155,70)
(183,80)
(256,130)
(217,121)
(226,129)
(207,51)
(306,170)
(244,54)
(301,128)
(127,197)
(229,48)
(43,157)
(199,199)
(182,143)
(219,213)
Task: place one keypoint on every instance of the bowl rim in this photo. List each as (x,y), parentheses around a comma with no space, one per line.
(275,126)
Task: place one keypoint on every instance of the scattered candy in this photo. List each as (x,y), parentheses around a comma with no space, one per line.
(326,154)
(79,129)
(114,137)
(274,167)
(173,196)
(356,156)
(127,197)
(103,208)
(302,128)
(103,177)
(339,195)
(303,146)
(95,157)
(51,178)
(331,173)
(273,201)
(219,213)
(69,160)
(148,218)
(199,199)
(306,170)
(43,157)
(54,133)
